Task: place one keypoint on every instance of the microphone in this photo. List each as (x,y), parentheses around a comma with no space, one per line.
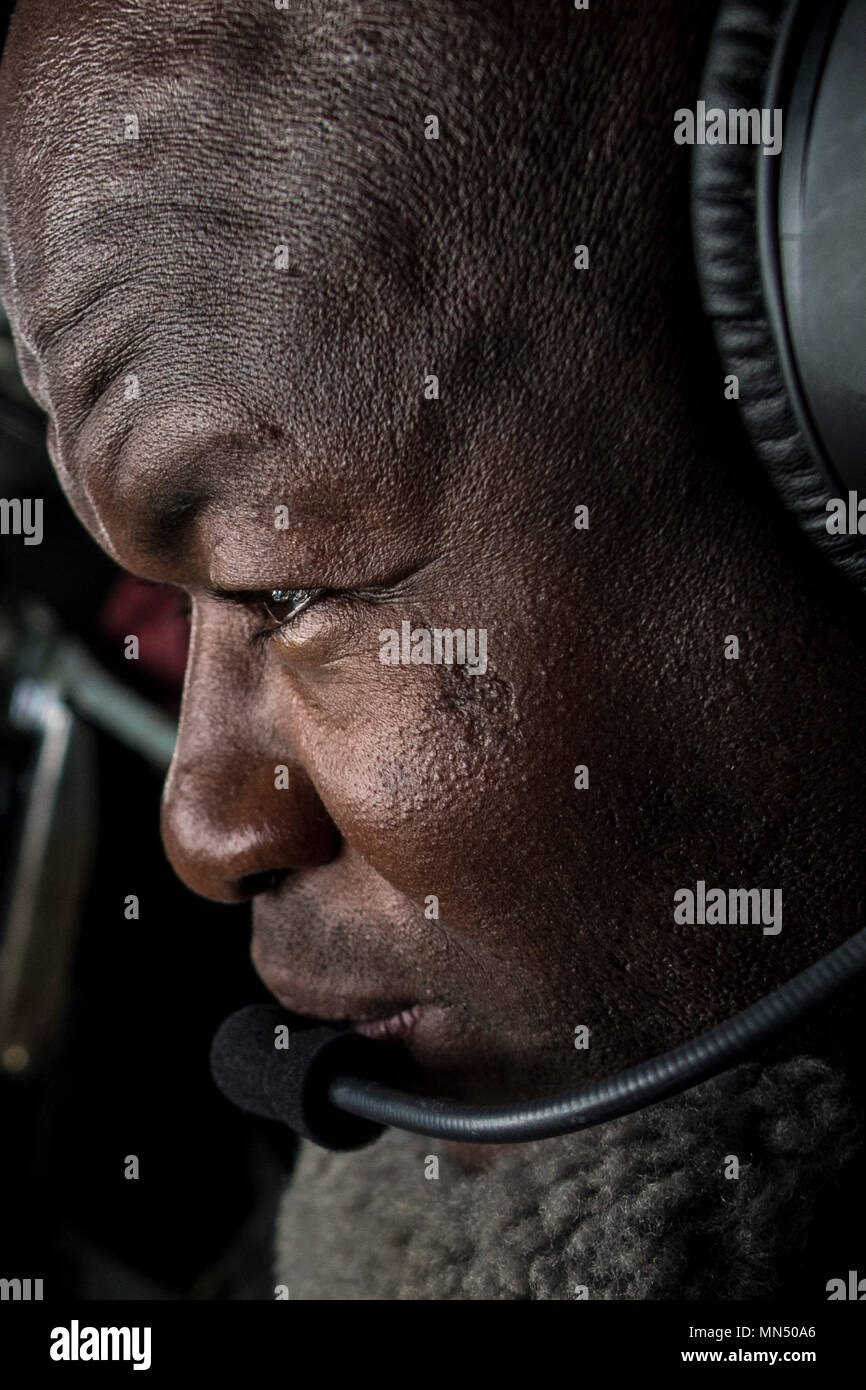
(340,1089)
(291,1084)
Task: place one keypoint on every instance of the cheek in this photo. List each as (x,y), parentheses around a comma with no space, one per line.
(412,763)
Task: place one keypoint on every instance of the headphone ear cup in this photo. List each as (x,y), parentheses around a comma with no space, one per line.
(730,273)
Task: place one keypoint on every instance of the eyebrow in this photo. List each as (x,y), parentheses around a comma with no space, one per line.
(169,520)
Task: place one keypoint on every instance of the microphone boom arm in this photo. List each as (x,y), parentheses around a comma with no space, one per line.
(625,1092)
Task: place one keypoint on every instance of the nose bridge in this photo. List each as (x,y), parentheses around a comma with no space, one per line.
(238,807)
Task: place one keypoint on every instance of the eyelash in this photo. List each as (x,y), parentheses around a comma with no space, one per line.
(263,635)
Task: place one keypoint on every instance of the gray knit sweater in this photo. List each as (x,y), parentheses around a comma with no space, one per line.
(645,1207)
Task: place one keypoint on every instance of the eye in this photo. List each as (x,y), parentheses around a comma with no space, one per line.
(284,605)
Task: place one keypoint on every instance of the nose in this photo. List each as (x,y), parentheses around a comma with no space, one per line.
(238,810)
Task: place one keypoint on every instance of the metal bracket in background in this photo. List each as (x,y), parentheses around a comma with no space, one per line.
(55,689)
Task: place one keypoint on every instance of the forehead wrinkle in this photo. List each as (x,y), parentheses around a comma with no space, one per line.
(168,463)
(352,114)
(330,127)
(85,265)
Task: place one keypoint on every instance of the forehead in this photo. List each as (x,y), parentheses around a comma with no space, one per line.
(200,150)
(227,233)
(191,160)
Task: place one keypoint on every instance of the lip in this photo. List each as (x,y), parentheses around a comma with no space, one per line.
(419,1025)
(394,1027)
(388,1019)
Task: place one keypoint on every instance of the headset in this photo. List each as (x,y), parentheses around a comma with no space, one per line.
(780,255)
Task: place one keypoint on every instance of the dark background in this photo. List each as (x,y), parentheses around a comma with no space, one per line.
(127,1072)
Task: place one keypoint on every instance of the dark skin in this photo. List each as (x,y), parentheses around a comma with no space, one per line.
(304,387)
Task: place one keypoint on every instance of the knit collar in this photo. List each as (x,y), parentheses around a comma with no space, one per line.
(711,1194)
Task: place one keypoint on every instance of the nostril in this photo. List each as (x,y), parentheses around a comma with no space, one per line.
(252,884)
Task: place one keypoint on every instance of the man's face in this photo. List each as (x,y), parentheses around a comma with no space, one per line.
(234,262)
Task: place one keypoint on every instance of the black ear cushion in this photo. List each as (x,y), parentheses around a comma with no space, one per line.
(724,213)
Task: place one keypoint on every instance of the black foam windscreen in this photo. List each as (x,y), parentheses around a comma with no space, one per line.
(290,1083)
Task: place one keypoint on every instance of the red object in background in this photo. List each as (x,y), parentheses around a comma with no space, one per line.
(150,613)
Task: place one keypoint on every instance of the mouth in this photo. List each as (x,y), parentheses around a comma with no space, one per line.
(422,1027)
(387,1021)
(395,1027)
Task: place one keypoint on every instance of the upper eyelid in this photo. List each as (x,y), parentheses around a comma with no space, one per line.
(253,597)
(248,596)
(239,597)
(377,589)
(384,589)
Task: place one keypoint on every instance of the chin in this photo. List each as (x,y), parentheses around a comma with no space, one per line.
(458,1065)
